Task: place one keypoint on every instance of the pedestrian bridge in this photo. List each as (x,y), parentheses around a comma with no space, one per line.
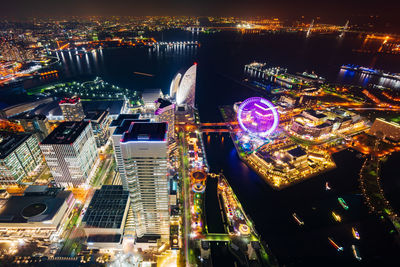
(217,127)
(225,237)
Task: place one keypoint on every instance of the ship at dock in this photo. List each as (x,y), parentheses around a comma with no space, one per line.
(261,72)
(370,71)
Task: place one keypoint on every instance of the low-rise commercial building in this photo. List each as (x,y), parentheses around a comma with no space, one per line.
(105,217)
(107,211)
(315,124)
(386,129)
(37,215)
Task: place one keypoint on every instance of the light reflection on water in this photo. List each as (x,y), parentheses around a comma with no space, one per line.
(365,79)
(272,210)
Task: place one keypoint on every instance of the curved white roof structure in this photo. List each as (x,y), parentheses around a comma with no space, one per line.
(175,85)
(187,87)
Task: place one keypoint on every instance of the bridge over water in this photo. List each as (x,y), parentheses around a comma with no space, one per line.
(217,127)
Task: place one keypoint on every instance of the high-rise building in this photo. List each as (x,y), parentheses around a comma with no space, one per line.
(36,124)
(70,152)
(166,113)
(100,123)
(72,109)
(144,151)
(19,156)
(117,128)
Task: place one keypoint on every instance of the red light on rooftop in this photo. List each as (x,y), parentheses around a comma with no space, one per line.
(73,100)
(195,63)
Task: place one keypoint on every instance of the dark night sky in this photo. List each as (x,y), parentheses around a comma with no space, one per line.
(327,9)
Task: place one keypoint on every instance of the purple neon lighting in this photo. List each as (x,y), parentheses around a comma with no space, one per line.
(258,115)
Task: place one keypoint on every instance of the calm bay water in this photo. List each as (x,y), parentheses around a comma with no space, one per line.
(221,58)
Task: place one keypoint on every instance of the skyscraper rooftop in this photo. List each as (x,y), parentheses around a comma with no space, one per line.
(9,141)
(117,122)
(65,133)
(71,101)
(146,131)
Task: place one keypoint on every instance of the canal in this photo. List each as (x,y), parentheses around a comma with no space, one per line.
(213,214)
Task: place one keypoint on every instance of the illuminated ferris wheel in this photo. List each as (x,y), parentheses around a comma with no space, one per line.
(258,116)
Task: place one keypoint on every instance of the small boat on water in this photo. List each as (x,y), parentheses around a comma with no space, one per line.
(343,203)
(143,74)
(336,246)
(297,219)
(327,187)
(356,253)
(336,217)
(355,233)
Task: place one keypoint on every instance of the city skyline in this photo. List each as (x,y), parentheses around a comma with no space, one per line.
(288,9)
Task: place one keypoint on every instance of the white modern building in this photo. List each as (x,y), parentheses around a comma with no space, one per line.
(144,151)
(70,152)
(175,85)
(117,129)
(183,88)
(185,94)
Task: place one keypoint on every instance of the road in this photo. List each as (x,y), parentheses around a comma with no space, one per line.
(67,234)
(107,168)
(75,236)
(104,169)
(186,204)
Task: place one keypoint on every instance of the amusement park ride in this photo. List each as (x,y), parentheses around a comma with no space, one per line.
(258,116)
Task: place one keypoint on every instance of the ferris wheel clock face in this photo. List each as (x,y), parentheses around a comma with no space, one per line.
(257,115)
